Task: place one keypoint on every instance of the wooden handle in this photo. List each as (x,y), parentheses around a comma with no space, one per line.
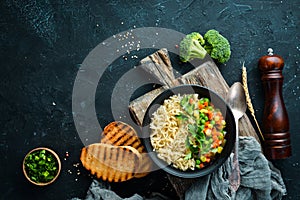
(275,127)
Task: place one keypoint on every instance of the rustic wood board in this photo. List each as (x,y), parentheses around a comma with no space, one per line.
(207,74)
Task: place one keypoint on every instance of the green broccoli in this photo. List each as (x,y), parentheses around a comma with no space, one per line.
(191,47)
(196,46)
(217,46)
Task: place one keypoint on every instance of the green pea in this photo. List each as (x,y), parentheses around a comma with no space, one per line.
(205,118)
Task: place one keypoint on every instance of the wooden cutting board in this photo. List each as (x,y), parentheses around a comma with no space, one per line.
(207,74)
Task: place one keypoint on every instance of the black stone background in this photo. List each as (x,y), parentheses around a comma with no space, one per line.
(44,42)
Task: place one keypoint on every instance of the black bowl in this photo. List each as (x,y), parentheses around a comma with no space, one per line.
(218,103)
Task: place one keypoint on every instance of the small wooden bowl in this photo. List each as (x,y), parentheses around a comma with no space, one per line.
(58,166)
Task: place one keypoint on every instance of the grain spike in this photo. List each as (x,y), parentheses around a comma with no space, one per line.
(248,99)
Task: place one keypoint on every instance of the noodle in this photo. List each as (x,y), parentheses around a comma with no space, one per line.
(168,137)
(187,132)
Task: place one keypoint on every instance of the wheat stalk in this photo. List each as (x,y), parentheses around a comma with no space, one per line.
(248,99)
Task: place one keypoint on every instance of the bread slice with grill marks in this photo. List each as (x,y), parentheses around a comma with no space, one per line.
(121,134)
(111,163)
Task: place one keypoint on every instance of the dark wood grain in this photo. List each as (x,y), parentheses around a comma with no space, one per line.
(277,144)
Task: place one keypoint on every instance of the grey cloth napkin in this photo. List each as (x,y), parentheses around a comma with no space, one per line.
(259,180)
(101,191)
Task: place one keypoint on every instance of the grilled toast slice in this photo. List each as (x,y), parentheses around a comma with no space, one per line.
(121,134)
(111,163)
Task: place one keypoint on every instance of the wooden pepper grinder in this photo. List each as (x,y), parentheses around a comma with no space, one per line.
(277,144)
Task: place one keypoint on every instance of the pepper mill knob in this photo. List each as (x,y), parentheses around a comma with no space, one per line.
(277,144)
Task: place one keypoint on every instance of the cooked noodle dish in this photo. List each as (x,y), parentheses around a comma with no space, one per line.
(187,132)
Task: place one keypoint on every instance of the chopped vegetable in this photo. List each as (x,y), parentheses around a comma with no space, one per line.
(217,46)
(195,46)
(206,136)
(191,47)
(41,166)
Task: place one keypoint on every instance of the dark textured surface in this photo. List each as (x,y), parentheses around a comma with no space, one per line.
(44,42)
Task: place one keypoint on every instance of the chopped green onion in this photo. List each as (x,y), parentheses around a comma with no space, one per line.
(41,166)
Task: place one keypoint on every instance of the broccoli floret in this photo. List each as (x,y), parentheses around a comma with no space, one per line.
(196,46)
(217,46)
(191,47)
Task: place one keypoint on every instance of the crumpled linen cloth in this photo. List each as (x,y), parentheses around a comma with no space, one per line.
(99,191)
(259,180)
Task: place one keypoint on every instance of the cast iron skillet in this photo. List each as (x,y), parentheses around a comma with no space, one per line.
(218,103)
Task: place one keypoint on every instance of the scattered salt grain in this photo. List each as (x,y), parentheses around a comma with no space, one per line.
(76,164)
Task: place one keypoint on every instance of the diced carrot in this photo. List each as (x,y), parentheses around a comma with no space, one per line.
(207,123)
(210,115)
(215,138)
(200,106)
(207,159)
